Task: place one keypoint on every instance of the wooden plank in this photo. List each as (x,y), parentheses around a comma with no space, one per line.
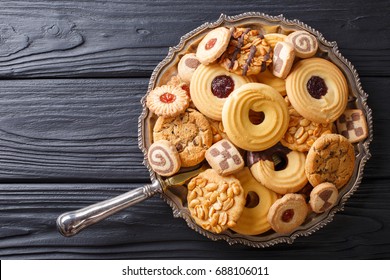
(129,38)
(148,230)
(63,129)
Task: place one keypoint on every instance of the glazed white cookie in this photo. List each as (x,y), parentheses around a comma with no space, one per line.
(213,45)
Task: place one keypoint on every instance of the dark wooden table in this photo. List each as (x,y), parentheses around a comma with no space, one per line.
(72,76)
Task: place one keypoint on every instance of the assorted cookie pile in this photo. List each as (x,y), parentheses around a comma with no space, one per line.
(269,116)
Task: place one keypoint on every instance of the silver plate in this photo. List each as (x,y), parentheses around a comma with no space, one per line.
(357,99)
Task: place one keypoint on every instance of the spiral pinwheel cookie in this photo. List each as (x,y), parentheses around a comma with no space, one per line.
(210,86)
(215,202)
(248,52)
(253,219)
(189,132)
(330,159)
(287,213)
(187,66)
(167,101)
(252,99)
(269,79)
(304,43)
(213,45)
(164,158)
(273,38)
(279,169)
(317,89)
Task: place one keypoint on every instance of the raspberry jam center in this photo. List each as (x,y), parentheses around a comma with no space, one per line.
(316,87)
(167,97)
(210,44)
(288,215)
(222,86)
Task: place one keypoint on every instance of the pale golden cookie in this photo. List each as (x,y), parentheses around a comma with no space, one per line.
(189,132)
(164,158)
(224,158)
(317,89)
(287,213)
(248,53)
(352,125)
(279,169)
(215,202)
(187,66)
(301,132)
(167,101)
(283,59)
(269,79)
(273,38)
(241,130)
(323,197)
(305,44)
(210,87)
(218,130)
(330,159)
(213,45)
(259,199)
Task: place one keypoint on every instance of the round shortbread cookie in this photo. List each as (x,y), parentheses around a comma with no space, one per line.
(259,199)
(189,132)
(288,213)
(269,79)
(273,38)
(215,202)
(317,89)
(211,86)
(213,45)
(330,159)
(255,98)
(323,197)
(164,158)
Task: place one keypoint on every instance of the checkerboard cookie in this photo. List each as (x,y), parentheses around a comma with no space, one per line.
(283,59)
(352,125)
(323,197)
(224,158)
(215,202)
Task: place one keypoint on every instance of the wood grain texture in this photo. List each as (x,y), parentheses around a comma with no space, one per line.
(72,74)
(129,38)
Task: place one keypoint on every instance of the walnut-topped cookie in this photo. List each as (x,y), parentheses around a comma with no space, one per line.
(189,132)
(215,202)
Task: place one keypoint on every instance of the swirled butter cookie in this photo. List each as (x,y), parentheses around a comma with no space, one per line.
(317,89)
(251,99)
(273,38)
(279,169)
(269,79)
(259,199)
(210,86)
(215,202)
(189,132)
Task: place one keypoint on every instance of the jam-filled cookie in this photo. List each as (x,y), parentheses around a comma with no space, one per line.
(317,89)
(189,132)
(304,43)
(213,45)
(279,169)
(259,199)
(164,158)
(215,202)
(167,101)
(330,159)
(248,52)
(288,213)
(210,87)
(240,122)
